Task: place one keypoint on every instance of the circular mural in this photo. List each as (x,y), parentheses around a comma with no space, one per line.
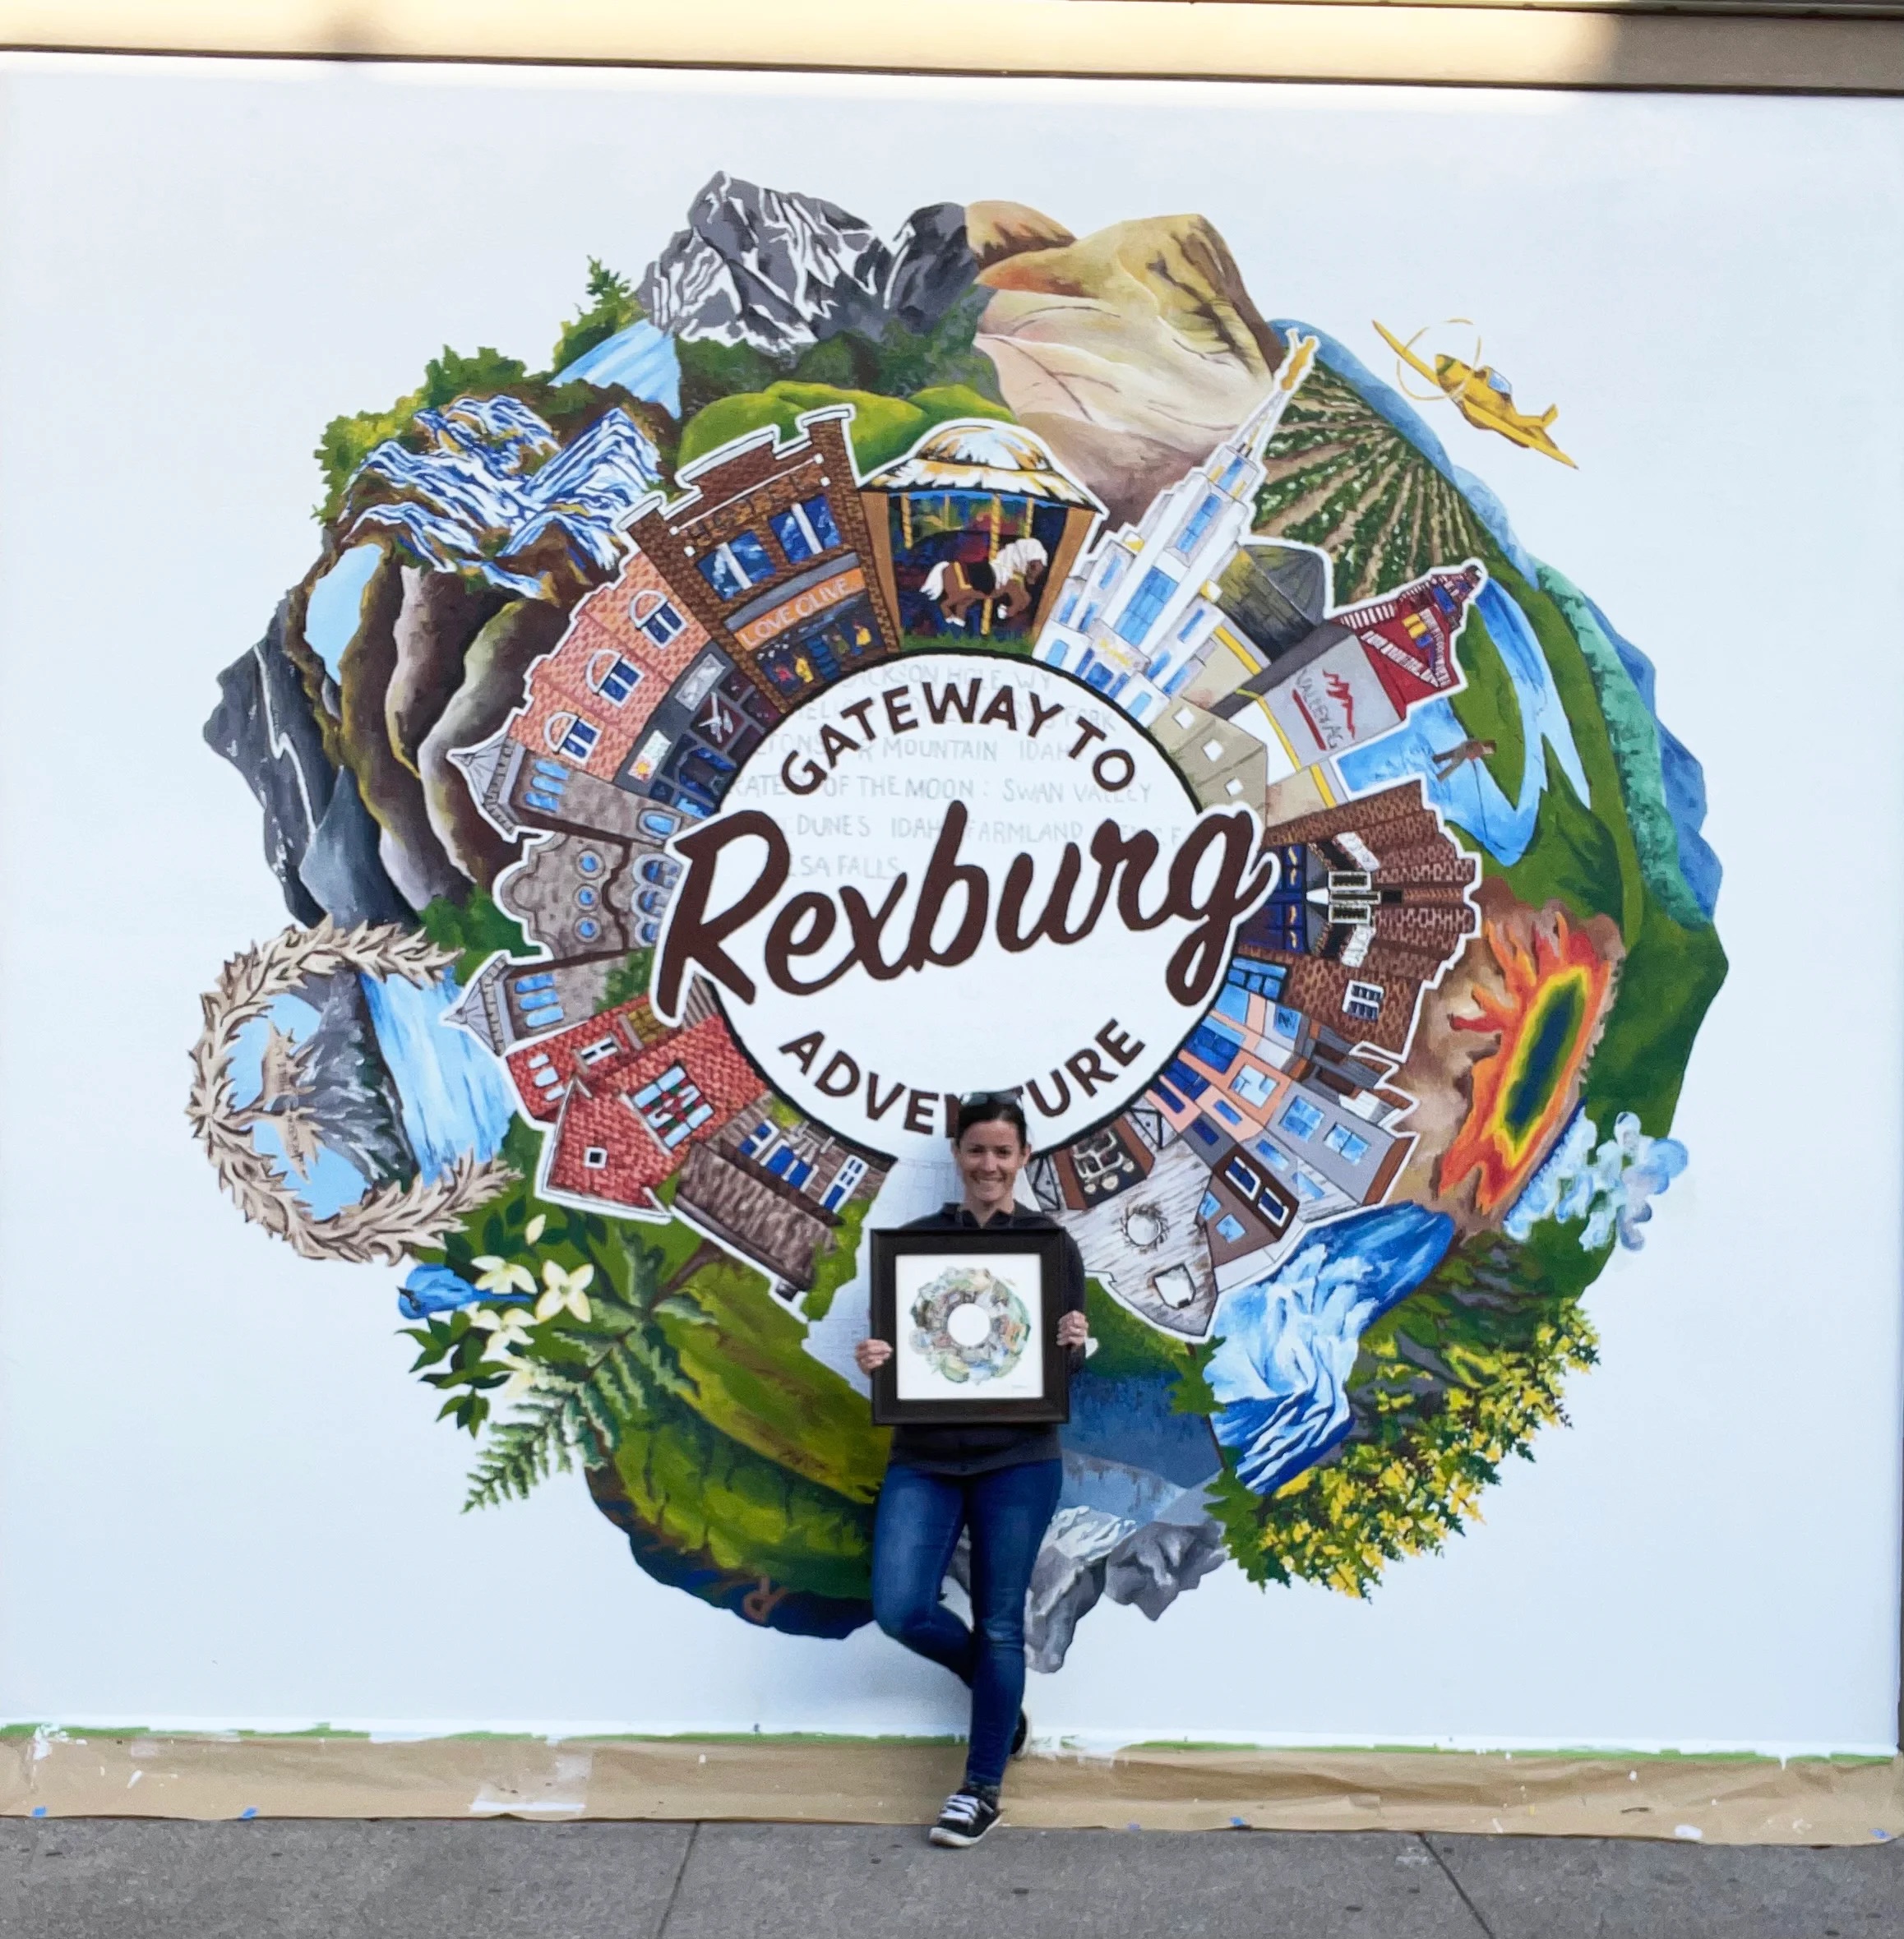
(969,1325)
(853,672)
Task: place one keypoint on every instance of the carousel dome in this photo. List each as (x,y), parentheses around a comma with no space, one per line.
(981,454)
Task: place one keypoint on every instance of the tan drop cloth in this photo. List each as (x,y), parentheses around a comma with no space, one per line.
(1721,1800)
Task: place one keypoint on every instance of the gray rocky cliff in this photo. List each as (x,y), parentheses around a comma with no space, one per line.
(320,844)
(351,1099)
(932,266)
(1088,1554)
(441,613)
(781,271)
(412,856)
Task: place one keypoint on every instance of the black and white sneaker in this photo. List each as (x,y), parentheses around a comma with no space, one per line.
(967,1817)
(1020,1736)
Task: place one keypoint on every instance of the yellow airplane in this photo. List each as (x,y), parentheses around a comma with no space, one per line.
(1483,396)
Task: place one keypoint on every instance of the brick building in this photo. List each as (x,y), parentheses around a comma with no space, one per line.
(580,895)
(635,723)
(627,1103)
(626,645)
(775,1193)
(542,1069)
(733,599)
(522,794)
(623,1096)
(641,695)
(768,551)
(1372,907)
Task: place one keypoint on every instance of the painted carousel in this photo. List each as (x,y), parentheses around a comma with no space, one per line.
(975,529)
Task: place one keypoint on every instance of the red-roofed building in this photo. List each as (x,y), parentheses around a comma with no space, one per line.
(629,1115)
(1356,673)
(1409,634)
(626,645)
(541,1069)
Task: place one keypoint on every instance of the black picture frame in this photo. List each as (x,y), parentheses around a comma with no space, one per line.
(894,1254)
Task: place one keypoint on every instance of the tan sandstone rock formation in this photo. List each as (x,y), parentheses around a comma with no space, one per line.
(1131,352)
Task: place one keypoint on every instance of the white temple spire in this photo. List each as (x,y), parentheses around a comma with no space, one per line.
(1255,431)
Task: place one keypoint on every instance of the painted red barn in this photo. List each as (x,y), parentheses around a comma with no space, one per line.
(1409,634)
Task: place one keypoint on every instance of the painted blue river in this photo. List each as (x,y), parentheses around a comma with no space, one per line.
(454,1097)
(1470,796)
(451,1093)
(1287,1344)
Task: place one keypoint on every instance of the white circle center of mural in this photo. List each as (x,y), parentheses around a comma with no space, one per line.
(957,872)
(968,1325)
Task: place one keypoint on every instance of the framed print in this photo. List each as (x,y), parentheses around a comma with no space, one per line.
(972,1320)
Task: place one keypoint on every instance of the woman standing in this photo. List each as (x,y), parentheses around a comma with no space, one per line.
(1001,1483)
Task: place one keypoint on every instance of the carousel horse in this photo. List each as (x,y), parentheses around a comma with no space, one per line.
(1011,577)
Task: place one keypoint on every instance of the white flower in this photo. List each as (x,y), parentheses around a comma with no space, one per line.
(508,1329)
(502,1276)
(564,1290)
(533,1232)
(523,1375)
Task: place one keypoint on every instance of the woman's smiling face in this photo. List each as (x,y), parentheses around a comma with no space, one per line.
(991,1155)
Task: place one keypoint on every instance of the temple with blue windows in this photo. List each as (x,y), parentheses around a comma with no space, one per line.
(1145,607)
(1188,609)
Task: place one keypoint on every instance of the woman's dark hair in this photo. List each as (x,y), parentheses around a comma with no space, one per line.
(990,1107)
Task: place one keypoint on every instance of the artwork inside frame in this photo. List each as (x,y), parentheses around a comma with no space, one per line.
(972,1320)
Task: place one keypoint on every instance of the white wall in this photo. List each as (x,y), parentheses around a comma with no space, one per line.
(222,1499)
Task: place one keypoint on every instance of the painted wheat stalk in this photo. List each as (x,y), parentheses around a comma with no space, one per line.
(389,1220)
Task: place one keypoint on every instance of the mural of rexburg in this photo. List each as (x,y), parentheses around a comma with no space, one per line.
(859,670)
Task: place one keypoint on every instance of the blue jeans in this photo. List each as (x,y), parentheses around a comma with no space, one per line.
(915,1531)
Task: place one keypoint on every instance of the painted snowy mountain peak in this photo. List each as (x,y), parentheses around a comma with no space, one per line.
(781,271)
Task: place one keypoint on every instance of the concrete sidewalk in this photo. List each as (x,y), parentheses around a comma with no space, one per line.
(306,1879)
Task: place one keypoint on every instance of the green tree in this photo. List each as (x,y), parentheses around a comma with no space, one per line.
(612,308)
(478,926)
(711,370)
(896,363)
(628,979)
(348,440)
